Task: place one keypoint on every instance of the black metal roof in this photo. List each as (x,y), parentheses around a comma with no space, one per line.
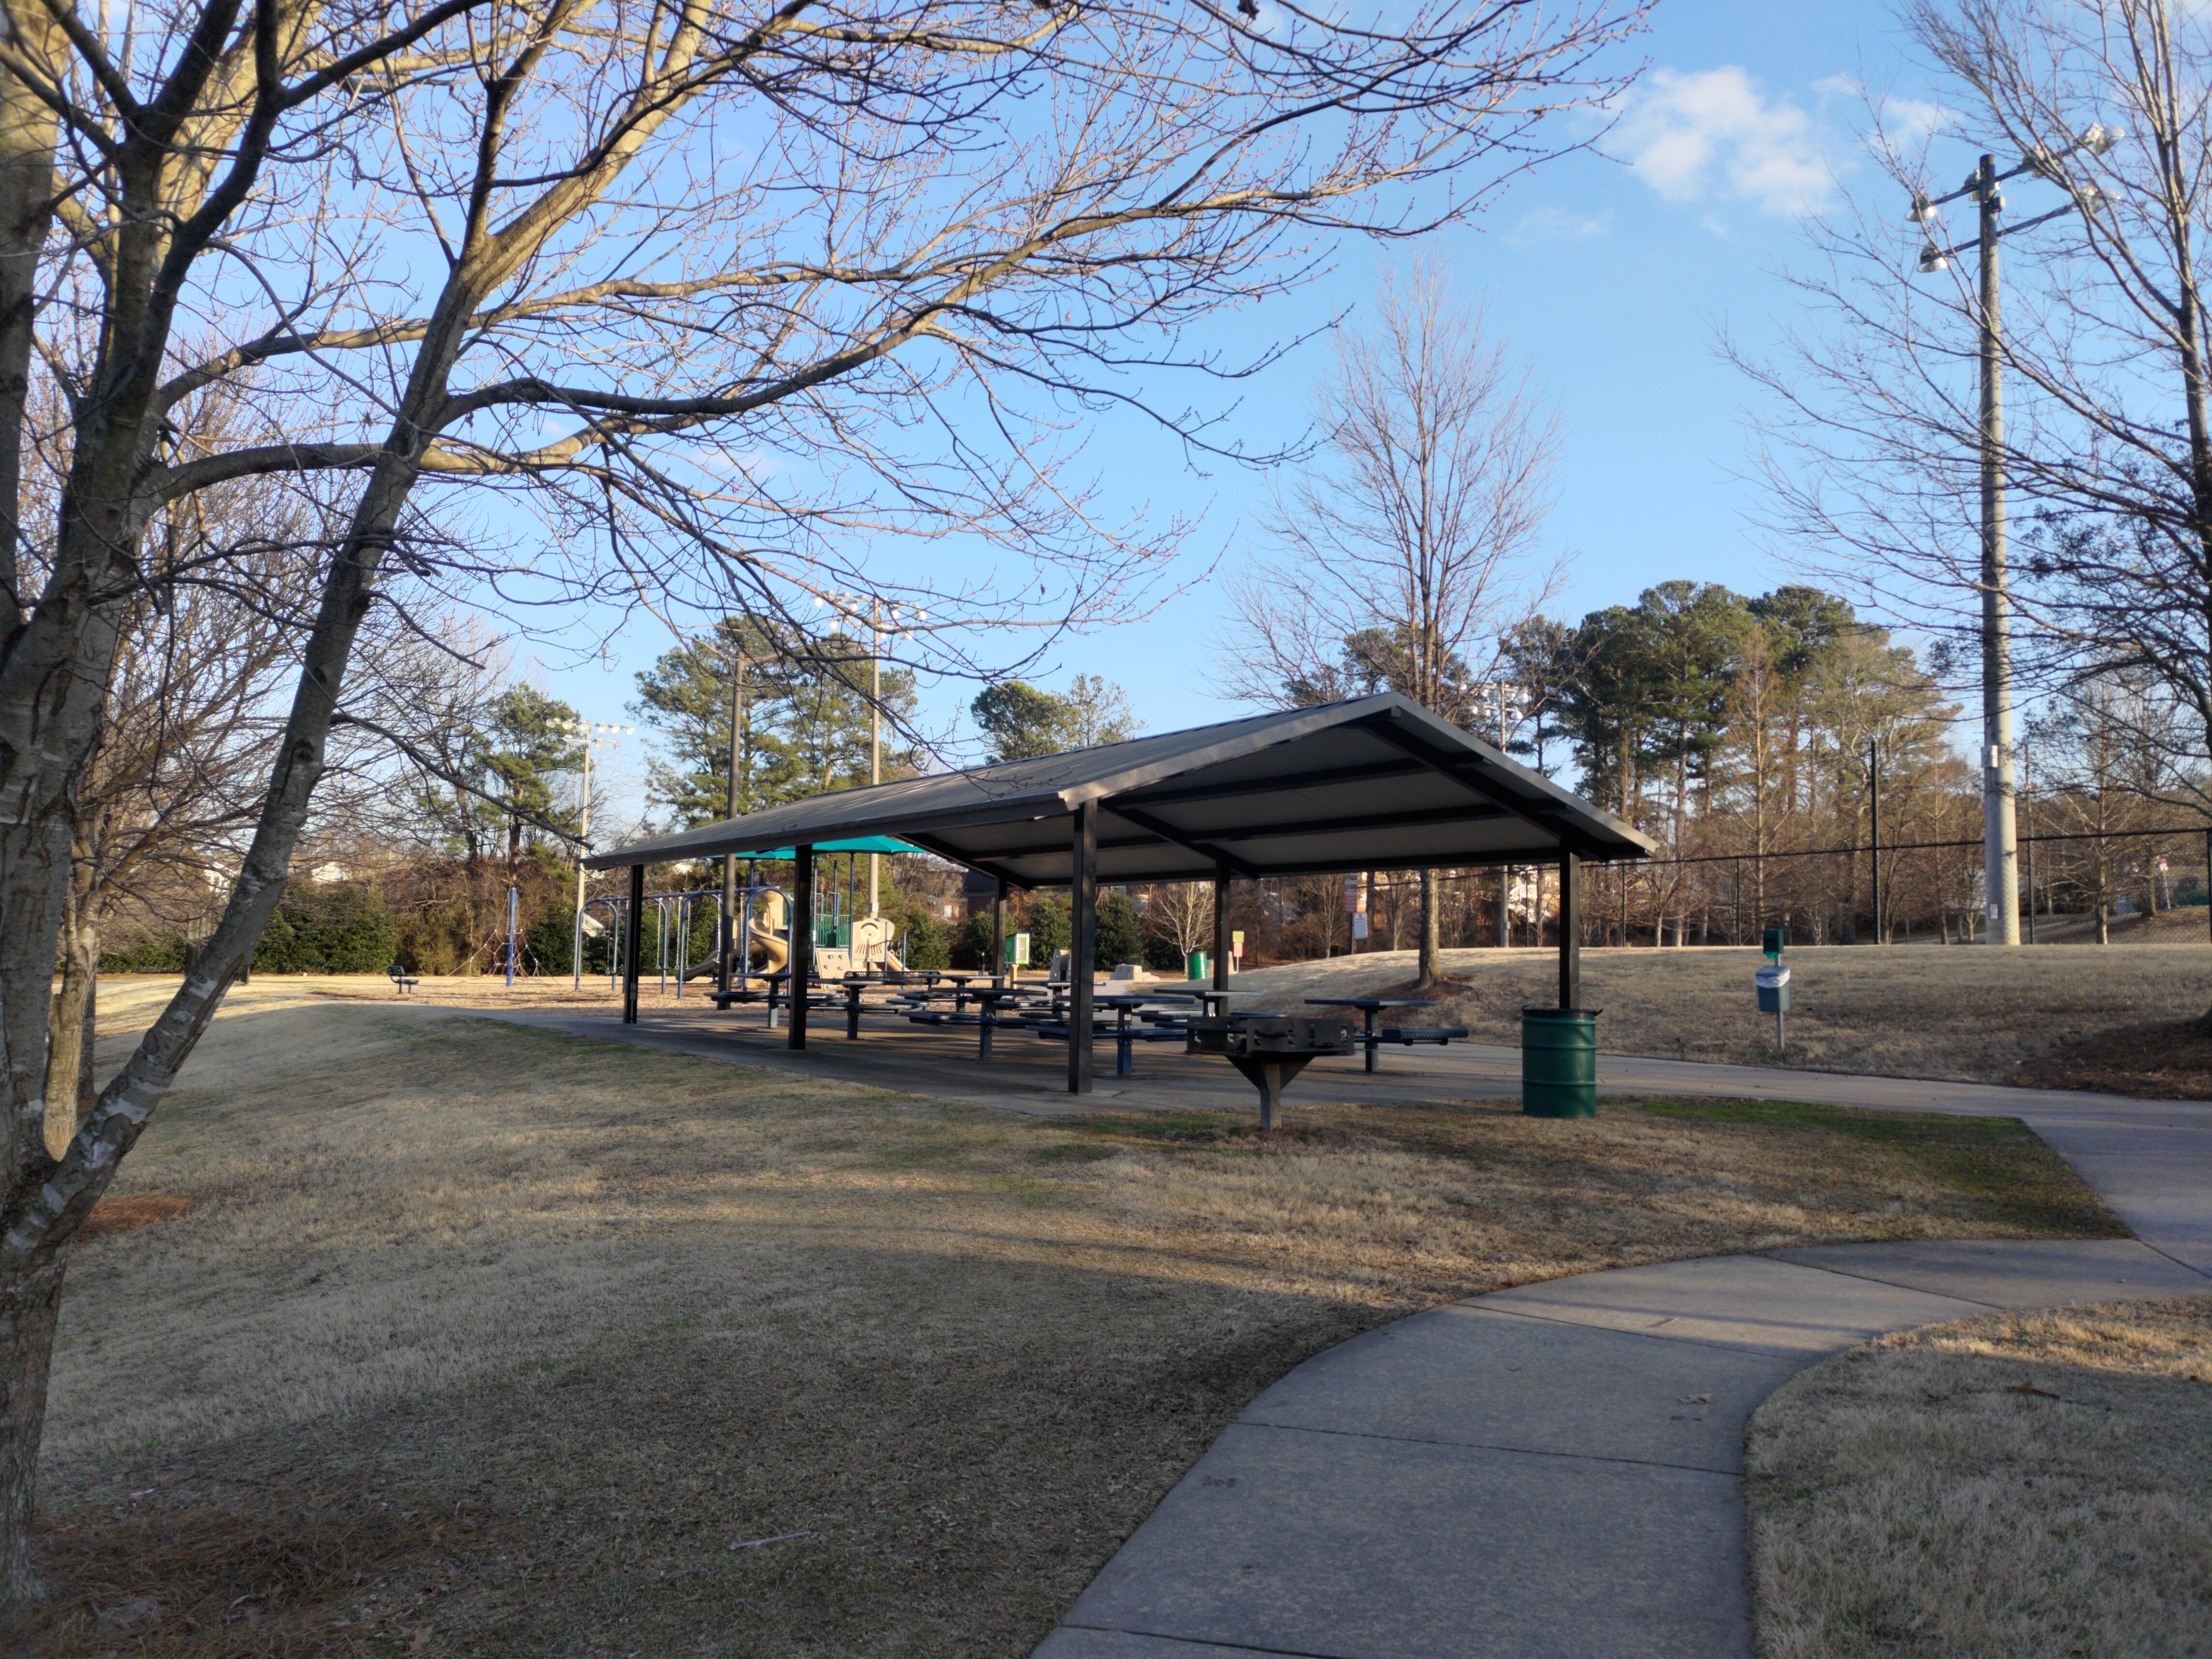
(1374,783)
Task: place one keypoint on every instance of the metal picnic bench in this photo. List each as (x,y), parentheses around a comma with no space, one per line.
(1370,1038)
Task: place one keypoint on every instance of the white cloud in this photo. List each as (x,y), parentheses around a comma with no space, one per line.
(1912,119)
(1552,224)
(1714,133)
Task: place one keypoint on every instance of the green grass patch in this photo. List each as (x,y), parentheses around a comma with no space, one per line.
(1998,1161)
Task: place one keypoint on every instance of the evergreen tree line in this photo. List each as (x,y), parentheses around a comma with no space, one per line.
(1748,732)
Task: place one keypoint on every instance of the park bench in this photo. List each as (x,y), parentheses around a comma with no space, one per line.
(402,981)
(1442,1035)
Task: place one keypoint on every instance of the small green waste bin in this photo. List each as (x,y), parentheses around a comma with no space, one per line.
(1558,1062)
(1196,965)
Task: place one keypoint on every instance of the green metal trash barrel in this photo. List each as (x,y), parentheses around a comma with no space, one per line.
(1196,965)
(1558,1062)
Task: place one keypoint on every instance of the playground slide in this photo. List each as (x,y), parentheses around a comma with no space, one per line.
(768,954)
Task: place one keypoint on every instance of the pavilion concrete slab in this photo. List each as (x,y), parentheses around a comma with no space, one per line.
(1363,1547)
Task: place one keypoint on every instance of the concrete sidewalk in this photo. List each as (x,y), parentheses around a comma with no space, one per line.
(1545,1472)
(1555,1472)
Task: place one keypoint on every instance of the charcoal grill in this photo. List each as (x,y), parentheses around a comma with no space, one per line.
(1271,1049)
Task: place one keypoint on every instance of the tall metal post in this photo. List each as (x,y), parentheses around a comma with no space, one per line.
(1082,944)
(1221,928)
(583,846)
(1570,936)
(1001,974)
(2000,842)
(635,937)
(876,731)
(729,924)
(1873,837)
(801,963)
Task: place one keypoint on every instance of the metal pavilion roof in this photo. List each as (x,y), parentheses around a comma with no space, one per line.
(1374,783)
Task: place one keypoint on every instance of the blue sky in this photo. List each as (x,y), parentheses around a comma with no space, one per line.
(1612,276)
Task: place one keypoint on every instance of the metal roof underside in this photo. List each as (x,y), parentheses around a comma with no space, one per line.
(1376,783)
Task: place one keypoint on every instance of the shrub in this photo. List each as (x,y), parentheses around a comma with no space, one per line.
(1121,931)
(334,930)
(1161,954)
(145,956)
(549,944)
(922,942)
(1048,927)
(970,945)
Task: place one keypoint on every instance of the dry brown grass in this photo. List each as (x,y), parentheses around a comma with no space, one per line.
(1899,1011)
(2004,1488)
(533,1341)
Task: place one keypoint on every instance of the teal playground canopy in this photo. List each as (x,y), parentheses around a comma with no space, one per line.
(861,844)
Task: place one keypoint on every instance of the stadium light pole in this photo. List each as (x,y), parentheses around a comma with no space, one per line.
(2000,832)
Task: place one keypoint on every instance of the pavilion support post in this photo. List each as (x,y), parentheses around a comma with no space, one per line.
(1000,973)
(634,944)
(1082,944)
(802,943)
(1571,930)
(1221,928)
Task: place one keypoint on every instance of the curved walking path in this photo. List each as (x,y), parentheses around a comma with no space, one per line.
(1553,1470)
(1557,1470)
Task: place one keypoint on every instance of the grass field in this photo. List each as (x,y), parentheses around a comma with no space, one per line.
(2009,1487)
(2109,1019)
(442,1336)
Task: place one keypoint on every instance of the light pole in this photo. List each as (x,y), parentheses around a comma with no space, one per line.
(891,616)
(588,735)
(729,929)
(1874,819)
(2000,835)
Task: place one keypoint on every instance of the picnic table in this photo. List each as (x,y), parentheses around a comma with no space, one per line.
(1126,1031)
(988,999)
(1370,1039)
(1213,1003)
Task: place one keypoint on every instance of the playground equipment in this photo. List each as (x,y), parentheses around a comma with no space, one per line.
(843,943)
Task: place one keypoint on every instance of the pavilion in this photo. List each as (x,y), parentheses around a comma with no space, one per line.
(1374,783)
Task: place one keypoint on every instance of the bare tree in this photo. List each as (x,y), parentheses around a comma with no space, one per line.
(727,294)
(1875,454)
(1181,911)
(1410,555)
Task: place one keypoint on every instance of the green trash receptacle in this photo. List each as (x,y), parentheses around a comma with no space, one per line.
(1558,1062)
(1197,966)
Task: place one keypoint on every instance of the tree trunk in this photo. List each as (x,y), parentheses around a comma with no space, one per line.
(2104,923)
(1432,952)
(69,1029)
(27,1307)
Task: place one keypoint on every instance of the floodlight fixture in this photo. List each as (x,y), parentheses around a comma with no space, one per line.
(1933,258)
